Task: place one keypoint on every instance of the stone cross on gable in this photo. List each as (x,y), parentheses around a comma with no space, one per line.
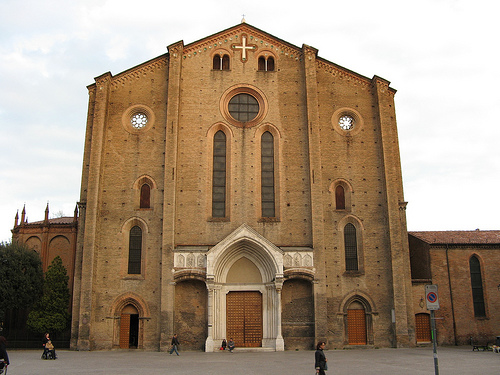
(244,47)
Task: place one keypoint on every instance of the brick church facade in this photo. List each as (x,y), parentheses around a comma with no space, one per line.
(243,187)
(240,186)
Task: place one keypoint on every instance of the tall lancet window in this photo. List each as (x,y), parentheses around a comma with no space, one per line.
(351,248)
(477,287)
(267,175)
(134,250)
(219,175)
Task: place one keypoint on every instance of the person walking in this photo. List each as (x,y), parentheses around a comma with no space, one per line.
(320,359)
(175,344)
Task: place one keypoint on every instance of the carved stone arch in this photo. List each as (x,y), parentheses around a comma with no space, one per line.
(348,192)
(242,246)
(245,241)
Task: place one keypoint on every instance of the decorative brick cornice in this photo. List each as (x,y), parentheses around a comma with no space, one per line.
(139,71)
(343,73)
(232,36)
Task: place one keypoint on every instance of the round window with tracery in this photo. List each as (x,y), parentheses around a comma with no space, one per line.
(346,122)
(243,107)
(139,120)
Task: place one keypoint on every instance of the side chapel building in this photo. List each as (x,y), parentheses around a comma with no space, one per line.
(241,187)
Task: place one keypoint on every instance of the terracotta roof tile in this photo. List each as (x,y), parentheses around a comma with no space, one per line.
(57,220)
(459,237)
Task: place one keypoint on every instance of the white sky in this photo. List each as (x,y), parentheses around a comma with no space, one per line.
(441,55)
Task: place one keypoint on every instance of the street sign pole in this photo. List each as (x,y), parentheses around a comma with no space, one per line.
(432,300)
(434,344)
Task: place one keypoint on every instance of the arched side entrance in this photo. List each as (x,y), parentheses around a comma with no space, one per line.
(358,320)
(129,312)
(129,328)
(244,280)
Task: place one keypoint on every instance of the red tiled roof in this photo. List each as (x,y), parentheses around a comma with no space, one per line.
(57,220)
(459,237)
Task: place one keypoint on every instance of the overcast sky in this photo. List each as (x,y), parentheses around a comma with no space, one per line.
(441,55)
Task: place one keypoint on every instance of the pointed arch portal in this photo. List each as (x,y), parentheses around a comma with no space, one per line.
(244,280)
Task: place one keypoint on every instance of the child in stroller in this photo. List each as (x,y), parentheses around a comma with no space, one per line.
(48,348)
(4,358)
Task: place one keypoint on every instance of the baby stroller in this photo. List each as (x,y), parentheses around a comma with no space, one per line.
(48,351)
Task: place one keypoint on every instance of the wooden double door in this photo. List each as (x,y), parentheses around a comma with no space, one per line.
(244,318)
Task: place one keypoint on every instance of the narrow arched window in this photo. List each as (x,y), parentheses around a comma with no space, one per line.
(134,250)
(225,62)
(266,64)
(217,65)
(145,201)
(339,197)
(351,248)
(477,287)
(267,175)
(270,64)
(262,63)
(219,175)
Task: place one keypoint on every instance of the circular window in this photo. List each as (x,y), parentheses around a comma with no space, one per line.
(139,120)
(243,106)
(346,122)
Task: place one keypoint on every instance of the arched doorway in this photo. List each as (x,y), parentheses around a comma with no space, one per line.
(244,281)
(129,328)
(356,324)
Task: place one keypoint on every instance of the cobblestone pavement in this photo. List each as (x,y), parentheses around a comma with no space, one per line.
(452,360)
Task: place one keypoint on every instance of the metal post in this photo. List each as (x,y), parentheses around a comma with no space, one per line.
(434,343)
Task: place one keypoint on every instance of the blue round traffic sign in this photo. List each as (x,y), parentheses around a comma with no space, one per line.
(432,297)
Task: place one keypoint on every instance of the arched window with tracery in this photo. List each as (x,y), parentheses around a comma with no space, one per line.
(266,64)
(145,200)
(219,175)
(351,248)
(477,287)
(267,175)
(135,250)
(221,62)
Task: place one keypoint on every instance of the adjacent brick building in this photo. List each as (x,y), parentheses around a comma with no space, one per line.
(465,266)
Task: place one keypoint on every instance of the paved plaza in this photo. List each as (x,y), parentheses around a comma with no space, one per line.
(452,360)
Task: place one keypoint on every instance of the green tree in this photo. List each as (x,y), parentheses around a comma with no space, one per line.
(21,277)
(50,314)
